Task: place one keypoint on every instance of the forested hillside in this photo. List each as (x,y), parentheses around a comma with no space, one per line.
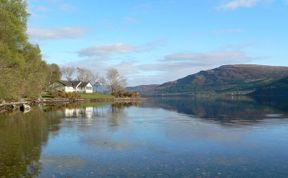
(277,89)
(23,73)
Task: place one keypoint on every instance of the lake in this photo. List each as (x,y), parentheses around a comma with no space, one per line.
(160,137)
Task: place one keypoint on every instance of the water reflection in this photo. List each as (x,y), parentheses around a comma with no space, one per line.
(225,111)
(161,137)
(21,140)
(203,138)
(113,112)
(86,112)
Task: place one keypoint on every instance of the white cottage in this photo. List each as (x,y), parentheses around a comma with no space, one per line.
(76,86)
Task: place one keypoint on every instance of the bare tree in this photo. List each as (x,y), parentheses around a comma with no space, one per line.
(84,74)
(115,80)
(102,80)
(68,72)
(87,75)
(95,78)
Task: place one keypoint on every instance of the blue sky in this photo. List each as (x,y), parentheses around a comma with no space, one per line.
(154,41)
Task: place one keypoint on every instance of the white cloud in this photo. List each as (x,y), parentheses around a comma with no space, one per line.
(67,7)
(56,34)
(236,4)
(41,9)
(209,58)
(107,50)
(43,6)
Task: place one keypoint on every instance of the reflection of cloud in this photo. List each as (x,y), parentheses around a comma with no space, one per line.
(104,142)
(63,162)
(57,33)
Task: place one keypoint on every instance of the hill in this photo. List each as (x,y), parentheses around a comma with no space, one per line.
(144,90)
(276,89)
(227,79)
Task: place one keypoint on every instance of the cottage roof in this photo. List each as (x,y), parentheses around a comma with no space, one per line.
(70,83)
(83,84)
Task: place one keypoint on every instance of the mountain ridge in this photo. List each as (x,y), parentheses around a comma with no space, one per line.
(226,79)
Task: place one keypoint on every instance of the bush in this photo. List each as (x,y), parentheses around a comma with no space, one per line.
(126,94)
(62,94)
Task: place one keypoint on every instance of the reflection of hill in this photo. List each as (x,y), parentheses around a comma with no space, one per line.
(21,138)
(281,103)
(242,112)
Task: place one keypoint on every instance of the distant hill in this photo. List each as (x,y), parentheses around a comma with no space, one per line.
(144,90)
(275,89)
(227,79)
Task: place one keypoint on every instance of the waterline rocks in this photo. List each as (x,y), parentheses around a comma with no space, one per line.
(25,108)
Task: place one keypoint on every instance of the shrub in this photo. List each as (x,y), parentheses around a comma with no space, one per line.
(126,94)
(62,94)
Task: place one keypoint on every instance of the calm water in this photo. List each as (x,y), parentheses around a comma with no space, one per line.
(172,137)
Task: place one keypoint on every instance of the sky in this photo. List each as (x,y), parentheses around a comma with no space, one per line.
(155,41)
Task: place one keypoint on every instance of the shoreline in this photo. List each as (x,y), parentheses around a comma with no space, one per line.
(11,106)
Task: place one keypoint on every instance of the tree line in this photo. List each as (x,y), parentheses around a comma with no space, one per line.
(23,72)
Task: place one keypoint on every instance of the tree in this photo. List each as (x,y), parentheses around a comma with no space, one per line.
(54,73)
(84,75)
(115,80)
(68,72)
(12,40)
(102,80)
(34,74)
(23,72)
(96,78)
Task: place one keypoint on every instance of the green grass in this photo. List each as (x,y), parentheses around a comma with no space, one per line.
(94,96)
